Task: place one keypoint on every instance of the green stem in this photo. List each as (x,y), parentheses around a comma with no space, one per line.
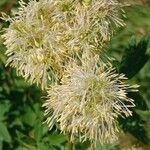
(70,145)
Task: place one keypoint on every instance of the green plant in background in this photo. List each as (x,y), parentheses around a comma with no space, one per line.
(130,67)
(22,115)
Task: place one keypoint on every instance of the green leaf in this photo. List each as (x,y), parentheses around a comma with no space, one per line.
(4,108)
(105,147)
(20,135)
(82,146)
(38,131)
(145,115)
(134,57)
(148,104)
(134,124)
(55,139)
(26,141)
(30,116)
(139,101)
(4,134)
(41,146)
(1,143)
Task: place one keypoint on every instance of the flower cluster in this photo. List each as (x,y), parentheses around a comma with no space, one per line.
(59,40)
(89,101)
(43,34)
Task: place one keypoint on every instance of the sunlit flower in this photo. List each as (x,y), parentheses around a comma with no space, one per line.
(88,101)
(43,34)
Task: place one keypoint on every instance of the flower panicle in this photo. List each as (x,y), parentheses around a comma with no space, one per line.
(89,101)
(57,41)
(43,34)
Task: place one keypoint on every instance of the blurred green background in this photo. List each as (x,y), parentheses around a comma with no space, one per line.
(21,114)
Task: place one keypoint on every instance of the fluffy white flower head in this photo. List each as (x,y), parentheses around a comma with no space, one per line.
(43,34)
(89,101)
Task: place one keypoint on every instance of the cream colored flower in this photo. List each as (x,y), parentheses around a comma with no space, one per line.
(89,101)
(43,34)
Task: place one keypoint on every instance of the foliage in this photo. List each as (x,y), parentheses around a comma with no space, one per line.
(134,57)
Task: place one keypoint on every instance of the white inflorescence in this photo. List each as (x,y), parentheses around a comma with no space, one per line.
(89,101)
(43,34)
(42,38)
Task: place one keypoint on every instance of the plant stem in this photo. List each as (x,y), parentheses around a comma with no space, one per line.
(90,147)
(70,145)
